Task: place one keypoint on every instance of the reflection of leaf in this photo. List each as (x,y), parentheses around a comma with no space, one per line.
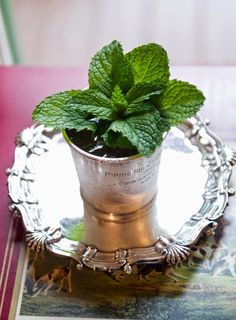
(75,232)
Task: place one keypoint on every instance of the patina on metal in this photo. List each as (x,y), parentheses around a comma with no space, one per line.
(134,235)
(119,196)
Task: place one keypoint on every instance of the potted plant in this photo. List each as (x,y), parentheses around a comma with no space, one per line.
(115,129)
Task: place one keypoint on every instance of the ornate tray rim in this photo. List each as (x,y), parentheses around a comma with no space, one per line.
(217,158)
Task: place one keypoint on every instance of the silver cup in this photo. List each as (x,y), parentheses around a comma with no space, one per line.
(119,196)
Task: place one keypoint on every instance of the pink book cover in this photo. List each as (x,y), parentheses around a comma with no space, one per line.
(21,88)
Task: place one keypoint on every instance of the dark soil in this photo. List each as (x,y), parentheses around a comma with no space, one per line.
(94,145)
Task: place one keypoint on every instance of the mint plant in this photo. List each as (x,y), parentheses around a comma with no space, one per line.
(130,101)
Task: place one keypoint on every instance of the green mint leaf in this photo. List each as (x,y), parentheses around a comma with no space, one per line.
(102,65)
(139,96)
(142,132)
(130,102)
(116,140)
(149,64)
(142,91)
(162,123)
(122,73)
(109,67)
(179,101)
(95,103)
(119,103)
(138,107)
(59,112)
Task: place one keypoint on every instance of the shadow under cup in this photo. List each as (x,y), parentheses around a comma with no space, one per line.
(119,196)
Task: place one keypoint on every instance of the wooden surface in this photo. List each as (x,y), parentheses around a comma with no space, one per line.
(20,90)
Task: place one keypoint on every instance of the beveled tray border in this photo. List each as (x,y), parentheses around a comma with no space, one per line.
(217,159)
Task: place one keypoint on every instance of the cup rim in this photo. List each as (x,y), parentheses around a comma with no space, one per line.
(103,159)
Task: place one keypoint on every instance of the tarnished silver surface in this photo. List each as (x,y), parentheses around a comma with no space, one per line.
(193,192)
(119,196)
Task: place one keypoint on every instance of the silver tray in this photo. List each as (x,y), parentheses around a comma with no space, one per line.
(193,194)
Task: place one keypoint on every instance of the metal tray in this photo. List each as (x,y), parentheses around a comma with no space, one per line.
(193,194)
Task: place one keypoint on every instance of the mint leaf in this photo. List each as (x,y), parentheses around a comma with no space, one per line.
(162,123)
(116,140)
(102,65)
(138,107)
(119,103)
(149,64)
(59,111)
(95,103)
(139,96)
(179,101)
(142,91)
(109,67)
(130,101)
(122,74)
(142,132)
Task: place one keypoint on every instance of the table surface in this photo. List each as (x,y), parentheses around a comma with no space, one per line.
(21,88)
